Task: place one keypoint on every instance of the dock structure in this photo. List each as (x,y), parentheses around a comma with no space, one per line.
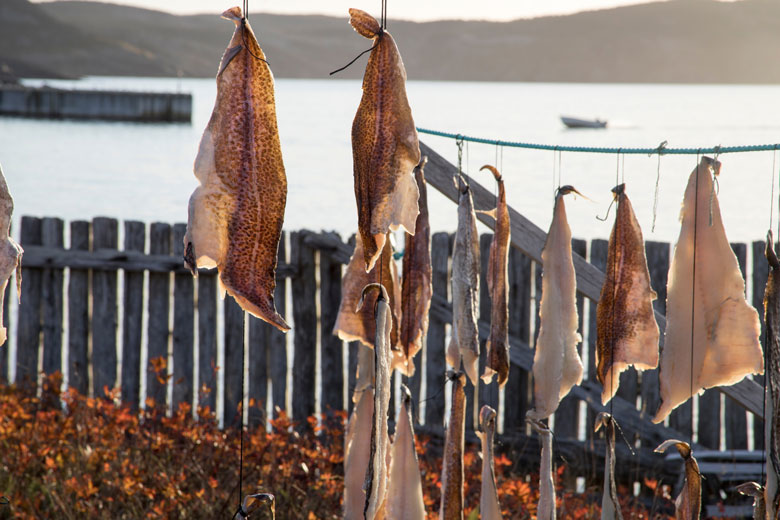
(110,105)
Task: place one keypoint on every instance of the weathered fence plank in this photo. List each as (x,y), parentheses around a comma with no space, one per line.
(78,312)
(234,358)
(277,340)
(207,341)
(158,334)
(435,370)
(257,392)
(305,341)
(760,275)
(516,390)
(183,326)
(105,235)
(331,347)
(658,264)
(132,333)
(598,257)
(487,394)
(52,236)
(736,417)
(29,331)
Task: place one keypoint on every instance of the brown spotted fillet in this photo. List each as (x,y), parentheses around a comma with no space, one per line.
(416,288)
(688,503)
(10,251)
(772,422)
(385,149)
(236,214)
(497,361)
(627,331)
(451,506)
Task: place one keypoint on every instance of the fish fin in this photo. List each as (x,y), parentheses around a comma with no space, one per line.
(493,213)
(230,53)
(365,24)
(487,375)
(234,13)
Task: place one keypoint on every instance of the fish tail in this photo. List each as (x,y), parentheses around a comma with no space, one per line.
(365,24)
(493,170)
(234,13)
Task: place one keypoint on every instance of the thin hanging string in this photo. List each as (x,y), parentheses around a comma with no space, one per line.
(659,151)
(555,188)
(244,22)
(240,510)
(767,358)
(384,15)
(693,277)
(559,168)
(382,27)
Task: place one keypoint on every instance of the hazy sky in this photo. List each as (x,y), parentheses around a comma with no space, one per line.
(406,9)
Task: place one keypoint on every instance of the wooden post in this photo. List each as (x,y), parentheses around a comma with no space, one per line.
(760,275)
(658,264)
(736,417)
(436,365)
(52,229)
(598,257)
(277,340)
(104,310)
(183,326)
(29,331)
(331,347)
(159,309)
(487,394)
(304,287)
(207,340)
(516,397)
(135,240)
(258,371)
(78,312)
(234,356)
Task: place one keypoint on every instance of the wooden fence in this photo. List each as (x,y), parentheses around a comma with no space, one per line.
(101,314)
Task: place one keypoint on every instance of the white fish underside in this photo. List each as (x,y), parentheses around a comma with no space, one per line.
(404,488)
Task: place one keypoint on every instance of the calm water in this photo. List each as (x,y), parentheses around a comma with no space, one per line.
(76,169)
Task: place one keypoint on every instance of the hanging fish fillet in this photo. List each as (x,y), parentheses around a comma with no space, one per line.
(358,452)
(772,397)
(627,330)
(385,149)
(416,288)
(755,490)
(464,341)
(557,365)
(717,328)
(610,506)
(688,503)
(497,360)
(364,381)
(236,214)
(361,325)
(489,508)
(376,473)
(451,506)
(545,510)
(404,488)
(10,251)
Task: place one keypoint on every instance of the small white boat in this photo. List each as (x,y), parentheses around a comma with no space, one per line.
(573,122)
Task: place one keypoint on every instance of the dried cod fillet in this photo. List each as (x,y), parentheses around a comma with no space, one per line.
(545,510)
(557,365)
(610,506)
(357,452)
(416,288)
(772,397)
(497,360)
(627,331)
(404,488)
(236,214)
(10,251)
(725,332)
(361,325)
(688,503)
(464,341)
(364,380)
(489,508)
(385,149)
(755,490)
(376,473)
(451,506)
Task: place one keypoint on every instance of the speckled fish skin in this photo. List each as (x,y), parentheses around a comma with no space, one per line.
(464,341)
(376,473)
(497,360)
(10,251)
(489,508)
(755,490)
(404,488)
(385,148)
(725,327)
(627,331)
(416,281)
(772,424)
(610,505)
(237,212)
(545,509)
(361,326)
(451,505)
(557,365)
(688,503)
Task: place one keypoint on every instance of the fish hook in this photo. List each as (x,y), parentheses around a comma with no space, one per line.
(617,192)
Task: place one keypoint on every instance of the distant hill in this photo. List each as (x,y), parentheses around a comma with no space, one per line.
(697,41)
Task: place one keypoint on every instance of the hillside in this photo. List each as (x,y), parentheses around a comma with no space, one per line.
(699,41)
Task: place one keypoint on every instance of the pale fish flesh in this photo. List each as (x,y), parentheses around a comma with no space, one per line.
(557,365)
(716,330)
(416,288)
(451,506)
(376,473)
(489,508)
(404,488)
(755,490)
(627,331)
(545,510)
(772,397)
(237,211)
(10,251)
(358,452)
(610,506)
(688,503)
(464,341)
(364,381)
(385,149)
(497,359)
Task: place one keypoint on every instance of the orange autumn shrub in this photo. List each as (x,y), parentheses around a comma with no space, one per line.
(69,456)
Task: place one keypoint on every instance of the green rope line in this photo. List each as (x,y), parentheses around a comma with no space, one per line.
(661,150)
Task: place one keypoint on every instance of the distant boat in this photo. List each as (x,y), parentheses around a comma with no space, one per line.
(573,122)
